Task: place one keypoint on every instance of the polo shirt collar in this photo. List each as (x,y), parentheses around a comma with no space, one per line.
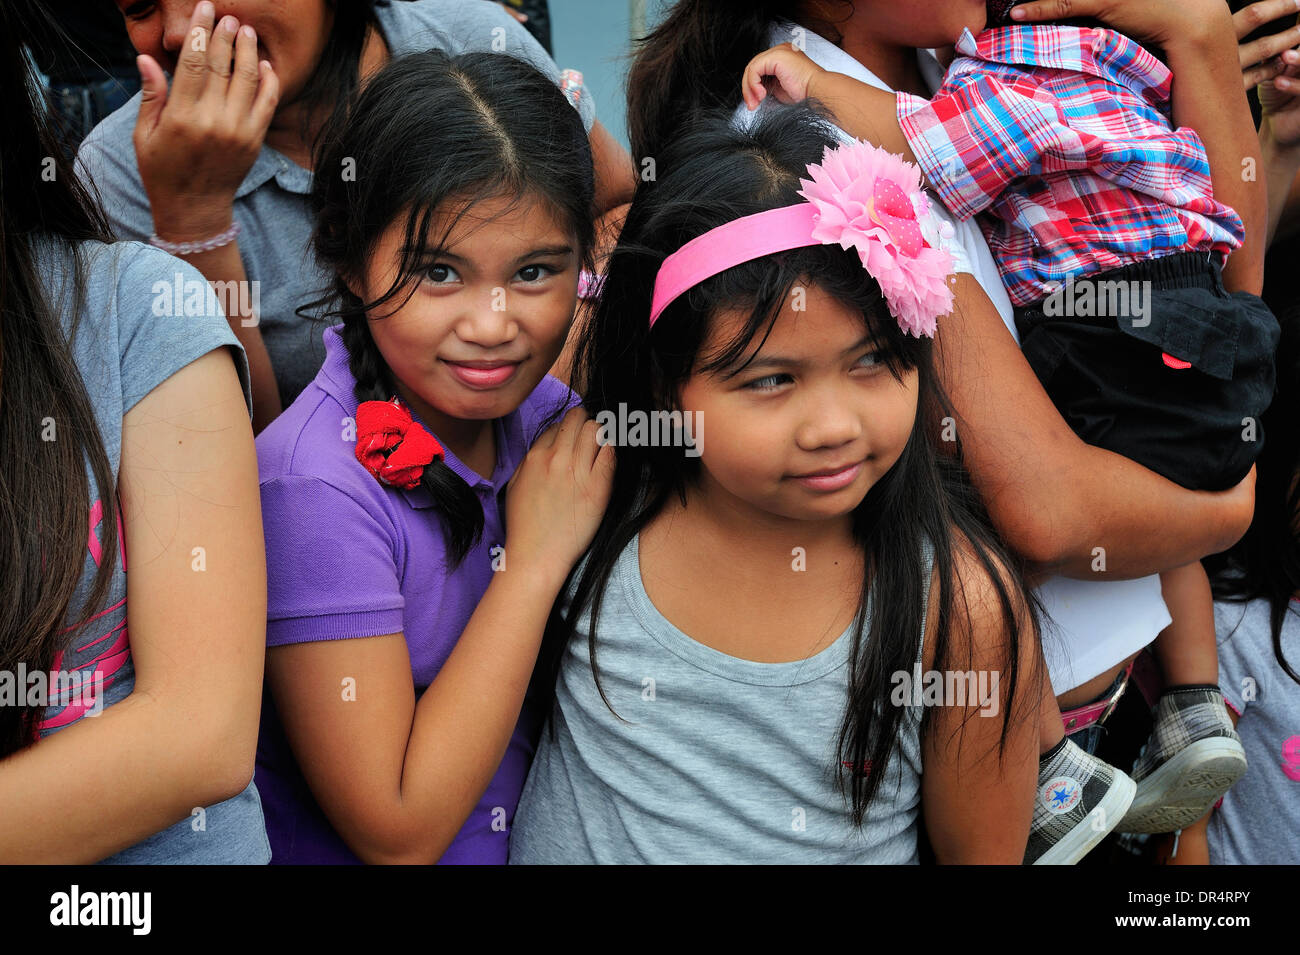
(272,164)
(336,380)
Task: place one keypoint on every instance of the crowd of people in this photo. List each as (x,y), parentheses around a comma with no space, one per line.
(894,457)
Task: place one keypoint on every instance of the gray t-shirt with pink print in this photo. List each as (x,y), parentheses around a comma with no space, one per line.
(128,341)
(1259,820)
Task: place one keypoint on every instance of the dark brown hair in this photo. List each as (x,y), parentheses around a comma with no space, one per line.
(427,133)
(44,491)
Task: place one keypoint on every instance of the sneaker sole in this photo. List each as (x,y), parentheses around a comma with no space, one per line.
(1083,838)
(1184,788)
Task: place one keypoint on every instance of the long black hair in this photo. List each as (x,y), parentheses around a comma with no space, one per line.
(693,62)
(44,490)
(429,135)
(1265,563)
(711,175)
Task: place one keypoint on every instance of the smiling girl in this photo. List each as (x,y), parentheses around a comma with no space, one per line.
(407,598)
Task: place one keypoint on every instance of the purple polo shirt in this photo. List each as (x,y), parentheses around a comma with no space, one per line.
(347,557)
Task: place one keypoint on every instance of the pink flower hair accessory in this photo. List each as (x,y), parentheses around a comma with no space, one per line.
(859,197)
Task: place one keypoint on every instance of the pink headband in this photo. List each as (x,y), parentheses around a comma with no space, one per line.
(860,197)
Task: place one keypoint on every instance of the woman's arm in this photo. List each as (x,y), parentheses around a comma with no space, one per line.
(185,737)
(398,777)
(977,798)
(1053,498)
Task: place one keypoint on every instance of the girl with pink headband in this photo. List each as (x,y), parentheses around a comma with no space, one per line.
(754,661)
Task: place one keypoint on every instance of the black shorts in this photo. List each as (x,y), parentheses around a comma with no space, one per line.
(1111,357)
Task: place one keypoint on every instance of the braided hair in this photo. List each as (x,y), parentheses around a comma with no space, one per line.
(462,516)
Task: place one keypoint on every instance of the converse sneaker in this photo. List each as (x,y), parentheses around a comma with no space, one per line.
(1080,799)
(1192,758)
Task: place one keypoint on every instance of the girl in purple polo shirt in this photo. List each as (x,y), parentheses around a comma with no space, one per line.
(403,620)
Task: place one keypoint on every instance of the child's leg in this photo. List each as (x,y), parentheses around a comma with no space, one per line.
(1186,648)
(1193,755)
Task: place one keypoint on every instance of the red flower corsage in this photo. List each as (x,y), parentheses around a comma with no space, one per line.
(391,446)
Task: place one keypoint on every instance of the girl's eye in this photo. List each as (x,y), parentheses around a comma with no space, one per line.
(137,10)
(440,274)
(535,273)
(871,360)
(770,383)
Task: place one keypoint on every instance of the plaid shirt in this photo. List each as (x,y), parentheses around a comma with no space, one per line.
(1062,135)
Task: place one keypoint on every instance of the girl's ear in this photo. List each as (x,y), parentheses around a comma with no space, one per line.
(353,285)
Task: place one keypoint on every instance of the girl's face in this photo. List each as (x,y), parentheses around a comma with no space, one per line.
(291,34)
(488,316)
(811,423)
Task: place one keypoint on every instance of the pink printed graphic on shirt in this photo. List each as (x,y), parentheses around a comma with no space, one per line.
(1291,758)
(111,650)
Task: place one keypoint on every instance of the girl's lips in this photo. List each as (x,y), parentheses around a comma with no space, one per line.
(834,481)
(481,376)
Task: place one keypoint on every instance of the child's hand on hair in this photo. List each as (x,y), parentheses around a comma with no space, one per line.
(1152,22)
(195,142)
(792,74)
(557,497)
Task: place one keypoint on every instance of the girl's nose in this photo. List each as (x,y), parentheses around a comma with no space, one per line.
(488,326)
(828,424)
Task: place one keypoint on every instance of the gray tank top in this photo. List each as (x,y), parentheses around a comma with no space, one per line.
(716,759)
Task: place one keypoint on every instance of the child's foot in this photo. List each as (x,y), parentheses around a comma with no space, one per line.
(1192,758)
(1080,799)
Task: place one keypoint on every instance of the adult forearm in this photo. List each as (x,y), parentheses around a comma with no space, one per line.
(224,270)
(1208,97)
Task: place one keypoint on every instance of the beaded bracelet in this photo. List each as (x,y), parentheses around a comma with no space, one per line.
(200,245)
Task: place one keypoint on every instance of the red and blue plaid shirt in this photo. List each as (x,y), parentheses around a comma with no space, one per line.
(1062,136)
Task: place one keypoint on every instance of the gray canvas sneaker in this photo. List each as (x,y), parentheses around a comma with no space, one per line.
(1080,799)
(1192,758)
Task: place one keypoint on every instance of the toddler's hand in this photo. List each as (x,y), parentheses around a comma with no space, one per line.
(792,73)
